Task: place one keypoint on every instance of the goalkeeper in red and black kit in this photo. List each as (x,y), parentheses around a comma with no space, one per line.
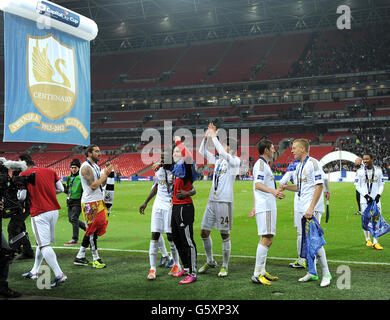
(183,213)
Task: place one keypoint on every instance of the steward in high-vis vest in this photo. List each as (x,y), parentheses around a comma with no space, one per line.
(74,191)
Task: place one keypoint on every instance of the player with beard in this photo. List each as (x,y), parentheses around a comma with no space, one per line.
(92,206)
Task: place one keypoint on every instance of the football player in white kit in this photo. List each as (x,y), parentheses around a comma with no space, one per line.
(309,188)
(369,182)
(291,176)
(161,216)
(265,195)
(219,209)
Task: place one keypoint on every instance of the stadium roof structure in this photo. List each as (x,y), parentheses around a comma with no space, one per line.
(137,24)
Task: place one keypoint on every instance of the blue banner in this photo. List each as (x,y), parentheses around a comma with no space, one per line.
(312,241)
(47,84)
(373,221)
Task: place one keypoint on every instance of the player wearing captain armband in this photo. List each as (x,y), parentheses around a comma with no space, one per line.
(219,209)
(369,182)
(309,179)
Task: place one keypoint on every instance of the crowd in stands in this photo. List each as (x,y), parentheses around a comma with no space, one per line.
(338,165)
(347,51)
(372,140)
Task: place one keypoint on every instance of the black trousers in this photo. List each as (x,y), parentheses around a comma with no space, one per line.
(90,241)
(358,199)
(183,235)
(74,211)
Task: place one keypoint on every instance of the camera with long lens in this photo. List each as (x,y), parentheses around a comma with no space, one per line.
(21,182)
(12,206)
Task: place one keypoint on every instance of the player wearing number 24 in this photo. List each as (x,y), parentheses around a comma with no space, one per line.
(219,209)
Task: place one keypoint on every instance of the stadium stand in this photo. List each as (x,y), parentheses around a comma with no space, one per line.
(193,67)
(15,146)
(212,63)
(286,50)
(150,67)
(106,69)
(234,67)
(333,52)
(131,163)
(315,151)
(332,136)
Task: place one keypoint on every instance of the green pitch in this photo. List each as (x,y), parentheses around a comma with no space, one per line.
(124,248)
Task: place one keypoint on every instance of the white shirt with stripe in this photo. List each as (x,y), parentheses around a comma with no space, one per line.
(291,176)
(307,175)
(164,181)
(226,169)
(262,173)
(362,184)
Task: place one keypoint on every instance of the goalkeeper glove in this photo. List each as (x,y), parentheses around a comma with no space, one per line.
(378,196)
(368,198)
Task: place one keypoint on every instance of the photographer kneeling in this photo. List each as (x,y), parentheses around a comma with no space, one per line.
(42,186)
(5,259)
(17,225)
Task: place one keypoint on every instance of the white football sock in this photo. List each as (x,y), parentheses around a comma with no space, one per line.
(299,245)
(37,261)
(81,253)
(367,235)
(321,256)
(174,253)
(93,243)
(51,259)
(261,259)
(208,248)
(226,248)
(161,246)
(153,250)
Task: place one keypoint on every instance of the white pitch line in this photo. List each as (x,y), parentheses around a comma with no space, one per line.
(241,256)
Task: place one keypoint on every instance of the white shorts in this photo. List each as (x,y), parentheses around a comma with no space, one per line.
(218,215)
(266,222)
(43,226)
(161,220)
(298,219)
